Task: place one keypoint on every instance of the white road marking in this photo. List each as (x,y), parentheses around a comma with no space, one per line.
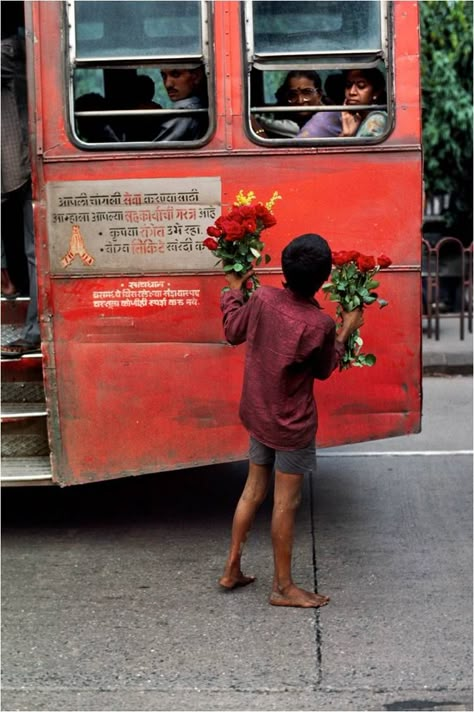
(393,453)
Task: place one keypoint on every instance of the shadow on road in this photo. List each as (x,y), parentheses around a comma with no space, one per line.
(194,494)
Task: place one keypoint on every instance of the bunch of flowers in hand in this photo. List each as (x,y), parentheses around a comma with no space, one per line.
(236,240)
(352,285)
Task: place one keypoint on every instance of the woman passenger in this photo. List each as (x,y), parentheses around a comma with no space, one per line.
(361,86)
(364,86)
(300,88)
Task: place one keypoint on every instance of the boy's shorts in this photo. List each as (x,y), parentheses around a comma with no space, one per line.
(291,462)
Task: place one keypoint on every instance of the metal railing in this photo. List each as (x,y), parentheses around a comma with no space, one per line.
(447,270)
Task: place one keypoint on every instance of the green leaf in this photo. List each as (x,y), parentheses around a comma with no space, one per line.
(383,303)
(267,259)
(372,284)
(228,268)
(369,359)
(254,252)
(237,267)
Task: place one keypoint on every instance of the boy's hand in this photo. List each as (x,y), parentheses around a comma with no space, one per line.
(351,321)
(237,280)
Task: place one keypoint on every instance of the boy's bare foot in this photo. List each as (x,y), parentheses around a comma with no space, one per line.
(235,580)
(298,597)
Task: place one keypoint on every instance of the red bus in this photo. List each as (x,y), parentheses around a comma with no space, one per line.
(136,374)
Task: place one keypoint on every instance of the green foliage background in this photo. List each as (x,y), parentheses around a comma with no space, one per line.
(446,70)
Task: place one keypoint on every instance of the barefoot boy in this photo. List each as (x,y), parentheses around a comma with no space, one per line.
(290,342)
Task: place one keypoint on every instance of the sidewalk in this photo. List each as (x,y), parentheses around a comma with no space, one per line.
(450,354)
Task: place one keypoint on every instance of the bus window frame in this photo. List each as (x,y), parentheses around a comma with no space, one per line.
(314,60)
(182,61)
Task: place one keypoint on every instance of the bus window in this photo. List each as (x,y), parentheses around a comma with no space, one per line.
(318,72)
(139,74)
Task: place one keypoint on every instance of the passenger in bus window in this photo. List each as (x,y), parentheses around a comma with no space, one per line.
(290,342)
(142,128)
(187,90)
(327,124)
(361,86)
(300,88)
(93,129)
(364,86)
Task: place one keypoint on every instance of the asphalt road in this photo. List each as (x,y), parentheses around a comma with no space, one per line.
(110,599)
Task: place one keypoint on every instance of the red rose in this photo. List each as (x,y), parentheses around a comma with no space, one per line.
(210,243)
(353,255)
(267,218)
(339,258)
(249,225)
(365,263)
(214,231)
(247,212)
(342,258)
(260,209)
(232,230)
(235,215)
(384,261)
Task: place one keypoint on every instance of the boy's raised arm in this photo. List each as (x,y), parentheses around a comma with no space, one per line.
(234,308)
(333,348)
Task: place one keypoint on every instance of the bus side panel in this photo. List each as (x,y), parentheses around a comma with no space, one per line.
(369,403)
(143,394)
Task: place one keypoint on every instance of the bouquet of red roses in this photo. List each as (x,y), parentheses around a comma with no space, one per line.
(352,286)
(235,238)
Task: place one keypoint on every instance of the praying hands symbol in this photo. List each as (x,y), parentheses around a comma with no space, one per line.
(77,247)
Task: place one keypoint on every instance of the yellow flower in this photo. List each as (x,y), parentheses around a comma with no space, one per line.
(276,196)
(246,199)
(242,199)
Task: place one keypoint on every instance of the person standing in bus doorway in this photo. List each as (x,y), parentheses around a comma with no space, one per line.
(290,342)
(16,172)
(187,90)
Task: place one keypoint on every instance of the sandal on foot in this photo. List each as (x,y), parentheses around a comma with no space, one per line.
(20,347)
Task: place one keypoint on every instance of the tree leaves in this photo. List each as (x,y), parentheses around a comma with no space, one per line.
(446,67)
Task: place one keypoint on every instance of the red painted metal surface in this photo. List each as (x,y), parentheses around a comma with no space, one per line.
(135,391)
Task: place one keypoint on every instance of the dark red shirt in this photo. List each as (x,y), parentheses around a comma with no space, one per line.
(290,342)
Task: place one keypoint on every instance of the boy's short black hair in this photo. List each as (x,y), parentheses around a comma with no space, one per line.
(306,263)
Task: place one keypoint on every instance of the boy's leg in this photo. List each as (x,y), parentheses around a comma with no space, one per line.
(286,501)
(255,491)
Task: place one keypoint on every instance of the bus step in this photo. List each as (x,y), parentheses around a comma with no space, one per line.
(24,435)
(26,368)
(22,392)
(25,471)
(14,311)
(20,411)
